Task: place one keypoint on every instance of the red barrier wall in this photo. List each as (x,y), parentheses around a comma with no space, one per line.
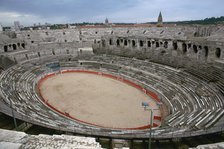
(148,92)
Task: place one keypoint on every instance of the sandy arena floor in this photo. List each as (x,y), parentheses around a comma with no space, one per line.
(98,100)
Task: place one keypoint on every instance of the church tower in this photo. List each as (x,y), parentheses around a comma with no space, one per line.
(160,20)
(106,21)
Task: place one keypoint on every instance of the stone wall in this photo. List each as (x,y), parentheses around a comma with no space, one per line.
(174,52)
(178,46)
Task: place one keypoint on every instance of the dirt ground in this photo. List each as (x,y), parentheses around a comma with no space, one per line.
(98,100)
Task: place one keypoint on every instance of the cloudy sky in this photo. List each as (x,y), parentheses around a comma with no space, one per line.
(29,12)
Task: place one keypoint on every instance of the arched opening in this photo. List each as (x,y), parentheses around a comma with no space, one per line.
(133,43)
(5,48)
(189,46)
(23,45)
(195,48)
(67,51)
(141,43)
(206,51)
(65,40)
(95,41)
(218,52)
(18,44)
(149,43)
(110,42)
(157,44)
(165,44)
(175,46)
(14,46)
(184,47)
(118,42)
(125,42)
(32,41)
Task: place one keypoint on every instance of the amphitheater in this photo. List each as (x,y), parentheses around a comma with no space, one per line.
(92,81)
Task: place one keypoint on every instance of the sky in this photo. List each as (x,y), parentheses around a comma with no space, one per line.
(28,12)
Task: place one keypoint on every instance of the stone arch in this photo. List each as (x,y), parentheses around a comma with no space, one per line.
(206,51)
(184,47)
(141,43)
(149,44)
(157,44)
(195,49)
(165,45)
(14,47)
(189,45)
(133,43)
(118,42)
(5,48)
(175,46)
(23,45)
(111,42)
(125,42)
(218,52)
